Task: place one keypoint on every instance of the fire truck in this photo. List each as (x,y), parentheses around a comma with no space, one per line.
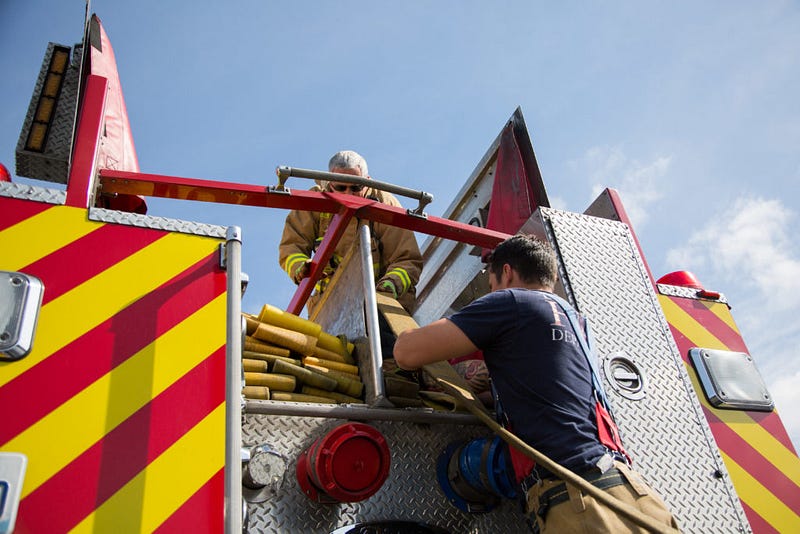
(121,370)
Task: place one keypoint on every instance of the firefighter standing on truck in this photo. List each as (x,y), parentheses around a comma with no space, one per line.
(544,386)
(395,253)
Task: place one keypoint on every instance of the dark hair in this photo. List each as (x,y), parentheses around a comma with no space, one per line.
(529,256)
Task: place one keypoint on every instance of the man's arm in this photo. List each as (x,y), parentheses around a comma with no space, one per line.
(402,260)
(440,340)
(297,242)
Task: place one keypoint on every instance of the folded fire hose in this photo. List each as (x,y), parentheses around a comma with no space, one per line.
(452,383)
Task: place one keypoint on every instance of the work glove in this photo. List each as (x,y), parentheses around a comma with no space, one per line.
(388,287)
(301,271)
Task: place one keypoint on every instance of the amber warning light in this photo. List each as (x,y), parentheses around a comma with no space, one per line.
(45,107)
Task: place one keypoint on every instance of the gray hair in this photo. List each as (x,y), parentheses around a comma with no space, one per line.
(348,159)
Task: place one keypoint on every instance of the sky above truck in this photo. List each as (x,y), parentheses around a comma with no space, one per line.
(689,110)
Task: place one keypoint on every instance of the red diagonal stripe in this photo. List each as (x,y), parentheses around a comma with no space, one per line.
(757,523)
(94,476)
(15,211)
(75,366)
(752,461)
(203,512)
(711,322)
(88,256)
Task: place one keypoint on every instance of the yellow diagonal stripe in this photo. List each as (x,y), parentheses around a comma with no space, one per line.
(76,312)
(153,495)
(764,503)
(58,438)
(688,326)
(35,238)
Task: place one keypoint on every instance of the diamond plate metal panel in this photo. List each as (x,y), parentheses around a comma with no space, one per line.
(685,292)
(157,223)
(665,431)
(347,291)
(32,192)
(410,493)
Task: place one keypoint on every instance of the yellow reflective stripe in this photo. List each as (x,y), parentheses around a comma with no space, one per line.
(761,500)
(402,274)
(153,495)
(61,436)
(293,260)
(34,238)
(101,297)
(688,326)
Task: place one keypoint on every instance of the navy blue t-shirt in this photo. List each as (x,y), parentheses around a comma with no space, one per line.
(539,371)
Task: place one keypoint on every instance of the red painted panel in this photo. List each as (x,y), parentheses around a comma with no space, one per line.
(203,512)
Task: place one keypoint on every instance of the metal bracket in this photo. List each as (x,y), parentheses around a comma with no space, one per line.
(424,200)
(20,301)
(12,473)
(284,173)
(223,264)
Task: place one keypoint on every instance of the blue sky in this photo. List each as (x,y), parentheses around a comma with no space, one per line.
(689,109)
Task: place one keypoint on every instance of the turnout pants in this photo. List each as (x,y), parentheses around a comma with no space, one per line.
(554,507)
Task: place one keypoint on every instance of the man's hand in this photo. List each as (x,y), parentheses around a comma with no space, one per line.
(301,272)
(388,287)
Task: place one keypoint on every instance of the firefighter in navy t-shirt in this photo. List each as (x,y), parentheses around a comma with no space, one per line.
(543,382)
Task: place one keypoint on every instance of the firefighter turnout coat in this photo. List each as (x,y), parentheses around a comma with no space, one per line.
(395,253)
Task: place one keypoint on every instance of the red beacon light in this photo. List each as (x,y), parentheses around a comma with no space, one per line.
(687,279)
(5,176)
(680,278)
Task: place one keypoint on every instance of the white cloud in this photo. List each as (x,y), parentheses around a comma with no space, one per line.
(557,202)
(751,247)
(639,184)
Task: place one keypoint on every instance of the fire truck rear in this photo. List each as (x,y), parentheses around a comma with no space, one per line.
(122,369)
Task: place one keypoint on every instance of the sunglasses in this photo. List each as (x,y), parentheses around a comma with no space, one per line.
(355,188)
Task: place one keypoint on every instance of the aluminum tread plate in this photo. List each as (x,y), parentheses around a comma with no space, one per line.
(608,280)
(157,223)
(411,492)
(35,193)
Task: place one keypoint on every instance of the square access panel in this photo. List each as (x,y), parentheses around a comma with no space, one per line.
(731,380)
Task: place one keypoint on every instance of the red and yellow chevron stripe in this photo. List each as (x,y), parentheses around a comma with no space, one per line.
(120,406)
(763,465)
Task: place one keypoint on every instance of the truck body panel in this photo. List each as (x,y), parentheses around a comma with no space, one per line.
(119,406)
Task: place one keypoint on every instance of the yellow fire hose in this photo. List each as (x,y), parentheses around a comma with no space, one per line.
(452,383)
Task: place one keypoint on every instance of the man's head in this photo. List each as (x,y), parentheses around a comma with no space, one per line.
(348,162)
(522,261)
